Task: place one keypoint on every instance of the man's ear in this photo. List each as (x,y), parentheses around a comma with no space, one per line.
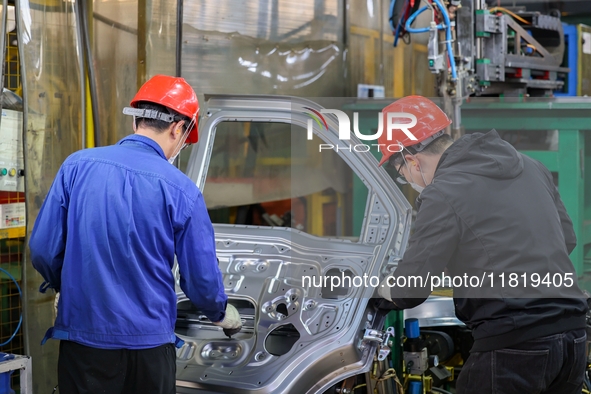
(178,128)
(411,160)
(175,130)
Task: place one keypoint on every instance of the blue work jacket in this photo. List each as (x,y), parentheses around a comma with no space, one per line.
(106,238)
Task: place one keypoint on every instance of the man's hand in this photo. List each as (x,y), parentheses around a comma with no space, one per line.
(384,290)
(385,302)
(232,324)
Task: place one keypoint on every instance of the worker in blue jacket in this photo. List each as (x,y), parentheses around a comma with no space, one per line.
(106,239)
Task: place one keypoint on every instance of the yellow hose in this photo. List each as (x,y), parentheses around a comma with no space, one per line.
(506,11)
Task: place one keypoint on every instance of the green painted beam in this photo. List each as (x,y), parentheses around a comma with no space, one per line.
(523,120)
(571,186)
(396,319)
(587,232)
(548,158)
(488,104)
(359,204)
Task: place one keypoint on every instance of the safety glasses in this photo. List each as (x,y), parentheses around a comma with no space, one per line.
(400,178)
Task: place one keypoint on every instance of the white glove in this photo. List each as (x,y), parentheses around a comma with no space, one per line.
(384,290)
(232,323)
(55,302)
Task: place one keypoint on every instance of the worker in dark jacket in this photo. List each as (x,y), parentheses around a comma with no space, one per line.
(486,211)
(106,239)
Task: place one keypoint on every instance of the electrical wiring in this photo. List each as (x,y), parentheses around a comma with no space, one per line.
(448,39)
(532,47)
(511,13)
(438,390)
(412,18)
(430,6)
(392,4)
(400,24)
(20,321)
(446,25)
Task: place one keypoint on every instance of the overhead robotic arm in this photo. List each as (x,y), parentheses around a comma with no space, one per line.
(480,51)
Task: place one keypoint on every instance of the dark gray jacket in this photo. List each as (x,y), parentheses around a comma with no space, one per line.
(492,210)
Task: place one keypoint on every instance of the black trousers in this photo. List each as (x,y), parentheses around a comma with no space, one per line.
(87,370)
(549,365)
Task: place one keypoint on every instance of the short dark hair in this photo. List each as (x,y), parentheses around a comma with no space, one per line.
(436,147)
(156,124)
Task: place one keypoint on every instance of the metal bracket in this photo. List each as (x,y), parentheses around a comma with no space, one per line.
(436,59)
(381,338)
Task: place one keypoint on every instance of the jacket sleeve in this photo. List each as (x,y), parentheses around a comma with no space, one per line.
(431,246)
(200,276)
(570,238)
(48,238)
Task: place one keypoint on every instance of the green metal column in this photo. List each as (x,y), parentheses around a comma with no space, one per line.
(396,319)
(571,185)
(360,192)
(359,197)
(587,203)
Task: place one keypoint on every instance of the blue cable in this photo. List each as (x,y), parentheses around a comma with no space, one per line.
(447,28)
(21,318)
(399,25)
(412,18)
(452,61)
(392,3)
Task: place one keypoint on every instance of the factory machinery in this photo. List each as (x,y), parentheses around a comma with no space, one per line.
(479,51)
(474,50)
(299,339)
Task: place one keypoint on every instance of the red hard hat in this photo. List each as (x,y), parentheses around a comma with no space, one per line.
(174,93)
(430,120)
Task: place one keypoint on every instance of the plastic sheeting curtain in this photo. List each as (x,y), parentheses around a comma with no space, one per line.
(115,50)
(264,47)
(132,41)
(48,48)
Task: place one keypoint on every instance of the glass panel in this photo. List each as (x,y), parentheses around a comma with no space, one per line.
(270,174)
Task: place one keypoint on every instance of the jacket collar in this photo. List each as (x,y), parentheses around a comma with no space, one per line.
(140,139)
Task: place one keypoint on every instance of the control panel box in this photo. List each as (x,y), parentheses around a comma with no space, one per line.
(12,169)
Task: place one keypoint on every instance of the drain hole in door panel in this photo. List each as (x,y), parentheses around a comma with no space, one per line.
(337,283)
(282,308)
(281,340)
(192,322)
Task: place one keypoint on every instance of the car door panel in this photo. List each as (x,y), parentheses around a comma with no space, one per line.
(298,336)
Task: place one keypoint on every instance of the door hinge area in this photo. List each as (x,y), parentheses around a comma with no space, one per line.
(381,338)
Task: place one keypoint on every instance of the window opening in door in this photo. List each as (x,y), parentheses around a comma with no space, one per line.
(270,174)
